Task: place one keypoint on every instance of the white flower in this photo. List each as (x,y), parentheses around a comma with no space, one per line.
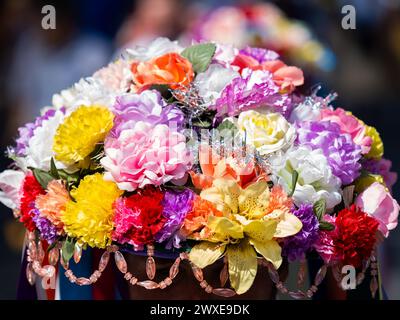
(87,91)
(211,82)
(10,184)
(225,54)
(315,180)
(156,48)
(40,147)
(267,132)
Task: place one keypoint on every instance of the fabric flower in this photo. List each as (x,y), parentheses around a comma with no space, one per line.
(46,229)
(176,204)
(138,218)
(86,92)
(349,124)
(214,166)
(382,168)
(342,153)
(377,202)
(252,90)
(10,184)
(267,132)
(376,151)
(116,76)
(156,48)
(211,82)
(53,203)
(286,77)
(27,131)
(195,223)
(324,244)
(90,217)
(296,246)
(315,177)
(244,230)
(146,155)
(38,151)
(81,131)
(170,69)
(147,106)
(356,236)
(259,54)
(29,192)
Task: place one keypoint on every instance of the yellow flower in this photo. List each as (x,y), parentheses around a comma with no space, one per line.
(78,135)
(247,228)
(267,132)
(365,180)
(90,217)
(376,150)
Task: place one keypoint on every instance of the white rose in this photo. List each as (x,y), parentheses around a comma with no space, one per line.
(267,132)
(211,82)
(10,184)
(315,180)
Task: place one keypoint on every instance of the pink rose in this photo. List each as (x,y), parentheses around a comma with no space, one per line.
(378,203)
(349,124)
(146,155)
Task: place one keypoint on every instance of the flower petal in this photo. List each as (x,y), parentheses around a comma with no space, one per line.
(270,250)
(260,230)
(254,200)
(242,263)
(206,253)
(224,228)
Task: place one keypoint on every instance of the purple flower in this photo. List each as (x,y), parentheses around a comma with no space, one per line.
(26,132)
(381,167)
(260,54)
(254,89)
(296,246)
(148,107)
(342,153)
(177,204)
(47,230)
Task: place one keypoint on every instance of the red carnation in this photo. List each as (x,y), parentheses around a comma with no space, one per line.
(29,192)
(356,236)
(138,218)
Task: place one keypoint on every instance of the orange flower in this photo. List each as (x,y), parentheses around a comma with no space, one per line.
(170,69)
(213,167)
(279,200)
(53,202)
(195,224)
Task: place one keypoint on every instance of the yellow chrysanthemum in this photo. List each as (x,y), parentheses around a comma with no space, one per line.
(90,217)
(78,135)
(376,151)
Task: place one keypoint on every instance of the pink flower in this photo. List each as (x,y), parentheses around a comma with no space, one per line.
(378,203)
(146,155)
(349,124)
(325,242)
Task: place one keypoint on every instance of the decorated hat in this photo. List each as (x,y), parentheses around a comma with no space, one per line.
(200,155)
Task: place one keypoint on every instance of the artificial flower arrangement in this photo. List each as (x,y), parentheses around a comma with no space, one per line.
(206,153)
(262,25)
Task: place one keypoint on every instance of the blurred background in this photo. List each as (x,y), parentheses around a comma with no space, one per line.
(363,66)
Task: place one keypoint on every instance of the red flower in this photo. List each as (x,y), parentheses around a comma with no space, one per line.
(356,236)
(138,218)
(29,192)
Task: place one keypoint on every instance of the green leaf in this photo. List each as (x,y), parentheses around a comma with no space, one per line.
(42,177)
(67,249)
(320,208)
(295,176)
(200,55)
(53,169)
(227,125)
(324,225)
